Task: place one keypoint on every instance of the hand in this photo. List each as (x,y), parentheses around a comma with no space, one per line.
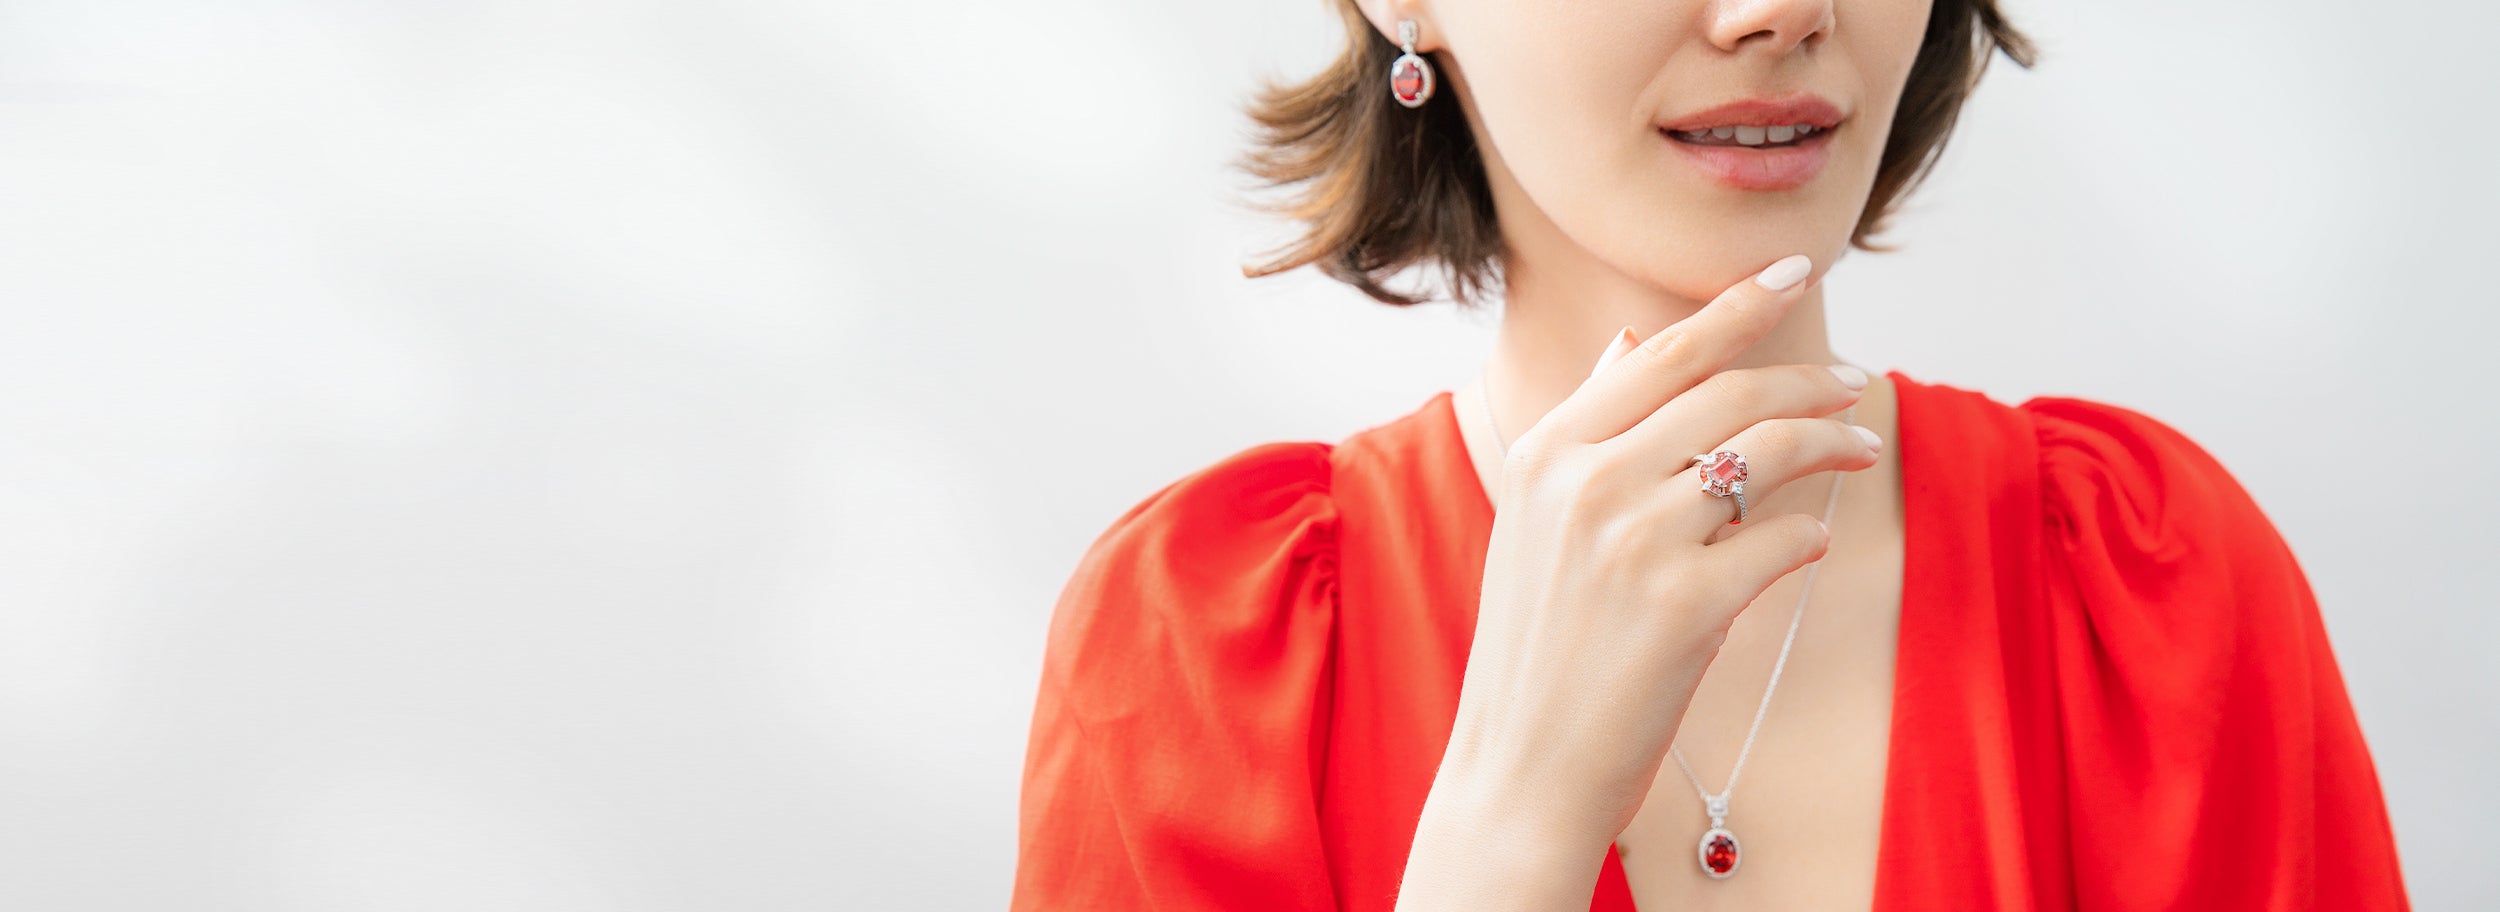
(1604,597)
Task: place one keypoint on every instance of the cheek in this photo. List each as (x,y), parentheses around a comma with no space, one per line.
(1880,54)
(1883,49)
(1561,88)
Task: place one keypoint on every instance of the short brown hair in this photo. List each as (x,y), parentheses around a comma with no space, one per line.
(1381,188)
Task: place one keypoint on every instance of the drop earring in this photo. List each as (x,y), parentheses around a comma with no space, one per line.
(1410,76)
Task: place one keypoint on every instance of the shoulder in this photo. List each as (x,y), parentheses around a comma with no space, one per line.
(2115,479)
(2111,481)
(2163,553)
(2085,440)
(1230,565)
(1181,716)
(2199,699)
(1216,519)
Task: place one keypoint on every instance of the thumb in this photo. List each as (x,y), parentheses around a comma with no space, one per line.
(1624,341)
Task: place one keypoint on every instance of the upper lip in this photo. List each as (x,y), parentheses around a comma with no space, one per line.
(1766,111)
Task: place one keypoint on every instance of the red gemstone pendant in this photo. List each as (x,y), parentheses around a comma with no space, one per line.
(1720,853)
(1410,80)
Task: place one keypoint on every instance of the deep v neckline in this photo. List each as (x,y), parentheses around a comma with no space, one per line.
(1480,513)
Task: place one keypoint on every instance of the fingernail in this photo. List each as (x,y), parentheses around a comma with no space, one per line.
(1622,342)
(1786,272)
(1872,441)
(1850,376)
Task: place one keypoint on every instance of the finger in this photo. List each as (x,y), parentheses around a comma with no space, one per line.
(1680,355)
(1777,451)
(1763,553)
(1732,400)
(1623,342)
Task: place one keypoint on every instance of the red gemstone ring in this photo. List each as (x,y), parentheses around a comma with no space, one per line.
(1723,475)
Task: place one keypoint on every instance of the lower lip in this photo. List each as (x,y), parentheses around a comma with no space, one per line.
(1745,168)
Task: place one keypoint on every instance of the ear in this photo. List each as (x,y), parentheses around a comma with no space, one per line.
(1384,16)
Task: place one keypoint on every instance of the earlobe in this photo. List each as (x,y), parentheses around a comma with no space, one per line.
(1385,15)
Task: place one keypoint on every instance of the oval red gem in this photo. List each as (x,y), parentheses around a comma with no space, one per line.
(1408,81)
(1720,856)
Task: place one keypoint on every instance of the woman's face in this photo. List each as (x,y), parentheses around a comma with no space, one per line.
(1570,100)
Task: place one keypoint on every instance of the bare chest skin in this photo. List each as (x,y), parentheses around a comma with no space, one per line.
(1809,805)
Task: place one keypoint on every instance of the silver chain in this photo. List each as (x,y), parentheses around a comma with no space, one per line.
(1716,805)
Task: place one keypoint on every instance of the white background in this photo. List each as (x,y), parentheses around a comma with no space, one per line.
(621,456)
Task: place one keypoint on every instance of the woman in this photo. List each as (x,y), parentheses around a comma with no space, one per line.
(1497,653)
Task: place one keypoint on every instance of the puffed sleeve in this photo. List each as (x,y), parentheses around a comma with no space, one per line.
(2213,758)
(1176,743)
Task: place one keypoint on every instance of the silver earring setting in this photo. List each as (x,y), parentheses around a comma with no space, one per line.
(1410,76)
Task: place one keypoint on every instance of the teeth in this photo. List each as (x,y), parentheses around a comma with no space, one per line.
(1747,136)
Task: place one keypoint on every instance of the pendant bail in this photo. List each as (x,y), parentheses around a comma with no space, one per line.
(1718,810)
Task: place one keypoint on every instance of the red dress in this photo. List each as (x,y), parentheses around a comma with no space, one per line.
(2112,689)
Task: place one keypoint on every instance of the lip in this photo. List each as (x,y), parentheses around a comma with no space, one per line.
(1765,111)
(1784,168)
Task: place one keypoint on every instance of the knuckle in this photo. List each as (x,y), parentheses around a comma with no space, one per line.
(1737,389)
(1778,436)
(1529,460)
(1539,466)
(1601,463)
(1671,344)
(1620,546)
(1579,478)
(1684,581)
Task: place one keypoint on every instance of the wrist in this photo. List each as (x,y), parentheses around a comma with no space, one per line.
(1525,800)
(1485,842)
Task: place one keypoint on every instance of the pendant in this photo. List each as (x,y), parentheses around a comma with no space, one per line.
(1719,851)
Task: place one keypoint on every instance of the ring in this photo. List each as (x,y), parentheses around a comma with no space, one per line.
(1723,475)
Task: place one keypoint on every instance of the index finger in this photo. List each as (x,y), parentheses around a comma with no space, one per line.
(1685,353)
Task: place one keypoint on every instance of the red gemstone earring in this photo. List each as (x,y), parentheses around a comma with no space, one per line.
(1410,76)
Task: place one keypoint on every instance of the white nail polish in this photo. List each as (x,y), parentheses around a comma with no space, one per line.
(1615,347)
(1786,272)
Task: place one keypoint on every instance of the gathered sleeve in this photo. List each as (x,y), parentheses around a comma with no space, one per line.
(1175,750)
(2213,757)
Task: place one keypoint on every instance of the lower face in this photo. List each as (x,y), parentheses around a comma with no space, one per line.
(1569,97)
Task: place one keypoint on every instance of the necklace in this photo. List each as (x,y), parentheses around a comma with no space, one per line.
(1718,850)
